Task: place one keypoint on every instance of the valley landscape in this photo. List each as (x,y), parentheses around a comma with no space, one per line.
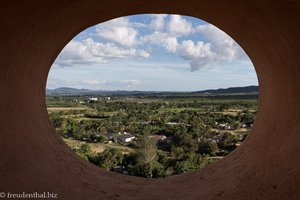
(153,134)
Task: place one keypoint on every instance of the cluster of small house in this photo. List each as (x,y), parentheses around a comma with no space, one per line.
(91,100)
(121,137)
(95,99)
(225,126)
(126,137)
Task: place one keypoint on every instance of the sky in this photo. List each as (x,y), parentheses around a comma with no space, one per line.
(153,52)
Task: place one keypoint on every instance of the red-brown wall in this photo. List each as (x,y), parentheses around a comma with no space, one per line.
(34,159)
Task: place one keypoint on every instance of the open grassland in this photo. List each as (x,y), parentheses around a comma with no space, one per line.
(97,147)
(67,108)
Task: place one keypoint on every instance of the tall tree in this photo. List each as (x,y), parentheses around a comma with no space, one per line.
(109,158)
(147,153)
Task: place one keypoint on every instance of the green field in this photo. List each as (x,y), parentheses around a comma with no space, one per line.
(182,133)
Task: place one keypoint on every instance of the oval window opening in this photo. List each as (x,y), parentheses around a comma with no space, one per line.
(152,95)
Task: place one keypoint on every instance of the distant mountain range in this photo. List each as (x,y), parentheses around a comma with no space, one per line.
(231,90)
(86,92)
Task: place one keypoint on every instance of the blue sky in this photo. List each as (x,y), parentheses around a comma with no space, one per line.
(152,52)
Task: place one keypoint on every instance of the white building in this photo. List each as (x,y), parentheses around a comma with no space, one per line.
(121,137)
(93,98)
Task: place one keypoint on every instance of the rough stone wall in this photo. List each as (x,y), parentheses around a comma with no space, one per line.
(34,159)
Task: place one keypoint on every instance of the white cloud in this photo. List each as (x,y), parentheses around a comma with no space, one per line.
(111,83)
(202,46)
(188,49)
(162,39)
(77,53)
(224,46)
(164,31)
(118,30)
(178,26)
(90,52)
(198,54)
(158,21)
(93,84)
(220,48)
(53,82)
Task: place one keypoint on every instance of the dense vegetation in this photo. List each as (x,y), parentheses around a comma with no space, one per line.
(172,135)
